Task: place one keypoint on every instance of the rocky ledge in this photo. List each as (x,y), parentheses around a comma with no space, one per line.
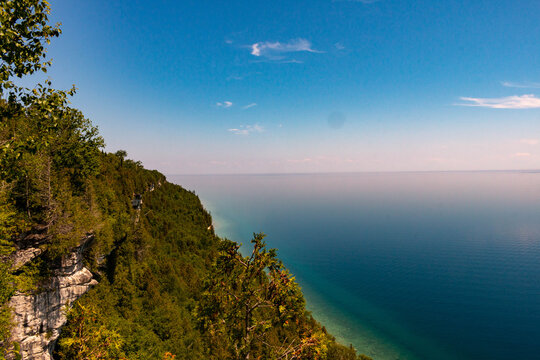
(39,317)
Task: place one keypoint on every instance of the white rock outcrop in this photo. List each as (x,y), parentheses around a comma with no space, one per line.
(39,317)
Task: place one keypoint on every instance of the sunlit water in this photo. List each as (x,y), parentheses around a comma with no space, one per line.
(401,265)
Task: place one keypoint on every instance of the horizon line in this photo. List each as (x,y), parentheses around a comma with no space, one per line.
(364,172)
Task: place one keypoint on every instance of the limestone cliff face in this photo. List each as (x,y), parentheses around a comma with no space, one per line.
(39,317)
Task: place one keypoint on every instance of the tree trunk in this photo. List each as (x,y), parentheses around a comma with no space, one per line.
(49,195)
(27,188)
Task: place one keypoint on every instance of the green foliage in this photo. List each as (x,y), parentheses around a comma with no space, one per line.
(245,298)
(9,226)
(48,152)
(48,158)
(154,270)
(121,154)
(23,34)
(46,128)
(6,291)
(87,338)
(339,352)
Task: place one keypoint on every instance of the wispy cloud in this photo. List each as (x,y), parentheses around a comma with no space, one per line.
(522,154)
(529,101)
(290,61)
(524,85)
(247,129)
(224,104)
(339,46)
(234,77)
(530,141)
(238,76)
(277,51)
(249,106)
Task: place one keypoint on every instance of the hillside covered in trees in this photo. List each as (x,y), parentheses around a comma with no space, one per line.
(167,286)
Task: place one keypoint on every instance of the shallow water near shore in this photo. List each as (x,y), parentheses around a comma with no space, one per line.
(400,265)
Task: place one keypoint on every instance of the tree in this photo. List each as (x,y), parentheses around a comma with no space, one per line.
(87,338)
(39,135)
(10,226)
(121,154)
(6,291)
(41,142)
(246,301)
(24,31)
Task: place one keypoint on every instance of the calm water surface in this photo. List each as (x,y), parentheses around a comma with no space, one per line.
(401,265)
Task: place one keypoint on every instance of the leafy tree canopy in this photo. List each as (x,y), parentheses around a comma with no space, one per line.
(24,32)
(248,299)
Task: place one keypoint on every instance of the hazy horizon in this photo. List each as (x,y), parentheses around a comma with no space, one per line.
(362,172)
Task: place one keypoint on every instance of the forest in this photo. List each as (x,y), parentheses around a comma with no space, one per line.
(168,286)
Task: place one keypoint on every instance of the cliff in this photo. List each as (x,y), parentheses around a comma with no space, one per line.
(39,316)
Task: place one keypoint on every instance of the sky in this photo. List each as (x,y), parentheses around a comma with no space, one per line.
(219,87)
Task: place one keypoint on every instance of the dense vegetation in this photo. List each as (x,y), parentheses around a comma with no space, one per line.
(168,286)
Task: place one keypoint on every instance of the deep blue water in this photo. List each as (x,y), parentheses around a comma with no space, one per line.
(401,265)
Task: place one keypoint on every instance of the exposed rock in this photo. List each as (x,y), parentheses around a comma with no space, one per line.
(27,248)
(21,257)
(39,317)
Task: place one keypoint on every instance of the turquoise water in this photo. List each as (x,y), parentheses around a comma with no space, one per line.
(401,265)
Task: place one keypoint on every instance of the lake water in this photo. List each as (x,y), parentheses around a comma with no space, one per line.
(401,265)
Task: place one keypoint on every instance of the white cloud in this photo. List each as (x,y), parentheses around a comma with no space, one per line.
(529,101)
(339,46)
(247,129)
(224,104)
(249,106)
(522,154)
(276,50)
(255,50)
(525,84)
(530,141)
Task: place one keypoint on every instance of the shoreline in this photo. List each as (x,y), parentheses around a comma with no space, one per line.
(337,322)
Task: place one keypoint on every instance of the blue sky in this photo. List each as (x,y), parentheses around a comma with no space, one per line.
(307,86)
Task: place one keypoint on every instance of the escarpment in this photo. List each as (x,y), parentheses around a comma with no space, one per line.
(39,315)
